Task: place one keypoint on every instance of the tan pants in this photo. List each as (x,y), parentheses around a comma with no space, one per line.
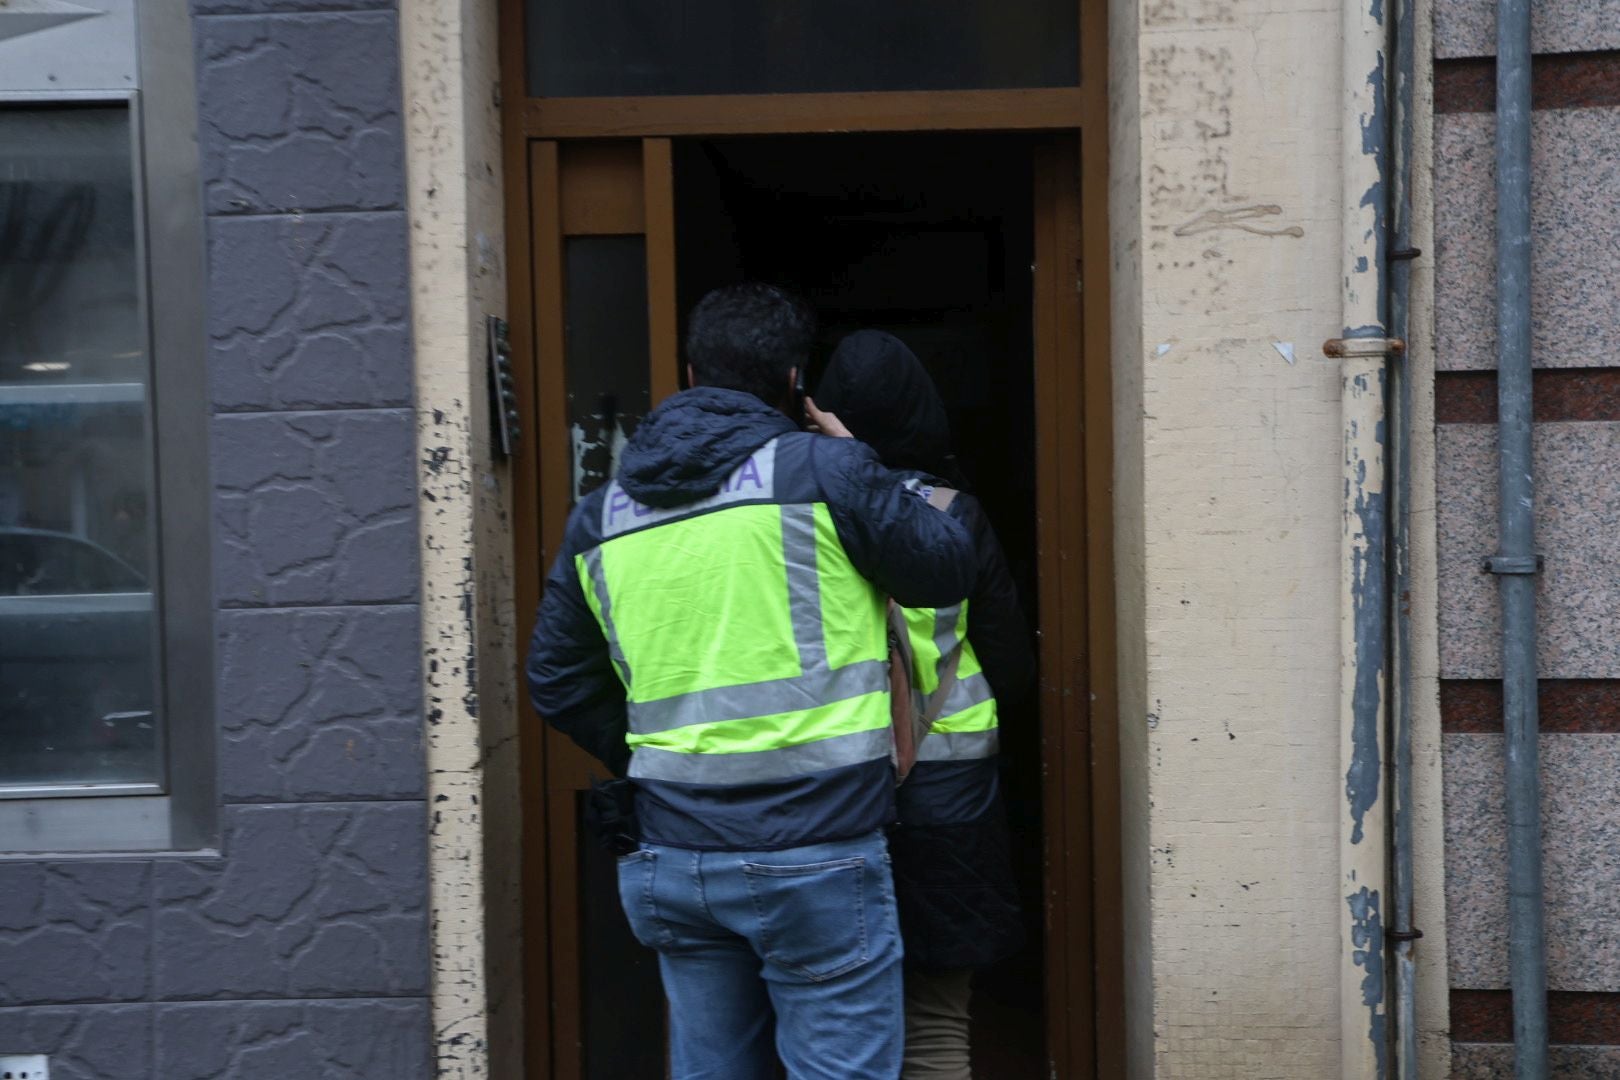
(937,1026)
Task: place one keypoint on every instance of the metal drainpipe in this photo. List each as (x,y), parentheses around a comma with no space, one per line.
(1516,563)
(1364,580)
(1402,933)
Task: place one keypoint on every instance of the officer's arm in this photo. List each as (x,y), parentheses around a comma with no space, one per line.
(571,679)
(919,555)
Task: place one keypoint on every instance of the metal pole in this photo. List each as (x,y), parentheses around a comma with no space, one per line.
(1402,932)
(1515,563)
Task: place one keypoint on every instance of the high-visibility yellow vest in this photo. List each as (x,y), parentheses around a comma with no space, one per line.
(750,648)
(965,725)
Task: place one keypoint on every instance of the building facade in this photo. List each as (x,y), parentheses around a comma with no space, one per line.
(298,820)
(288,931)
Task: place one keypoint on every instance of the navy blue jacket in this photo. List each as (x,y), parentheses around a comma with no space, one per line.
(682,452)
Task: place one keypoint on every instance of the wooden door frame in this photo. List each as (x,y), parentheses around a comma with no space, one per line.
(575,189)
(1074,504)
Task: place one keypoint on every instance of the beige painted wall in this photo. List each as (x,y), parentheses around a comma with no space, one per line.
(1125,321)
(1224,210)
(453,165)
(1226,227)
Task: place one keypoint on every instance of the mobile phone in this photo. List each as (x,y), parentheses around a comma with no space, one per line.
(799,395)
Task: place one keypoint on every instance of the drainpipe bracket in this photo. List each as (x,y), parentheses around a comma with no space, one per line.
(1363,346)
(1513,564)
(1404,935)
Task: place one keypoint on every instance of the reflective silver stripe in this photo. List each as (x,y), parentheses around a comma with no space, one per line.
(761,766)
(803,584)
(959,745)
(593,567)
(968,692)
(945,639)
(759,699)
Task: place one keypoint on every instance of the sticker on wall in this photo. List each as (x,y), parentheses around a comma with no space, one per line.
(24,1067)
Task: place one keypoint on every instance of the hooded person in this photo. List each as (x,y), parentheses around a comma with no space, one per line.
(952,864)
(714,630)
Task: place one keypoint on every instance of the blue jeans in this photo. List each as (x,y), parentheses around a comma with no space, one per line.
(807,934)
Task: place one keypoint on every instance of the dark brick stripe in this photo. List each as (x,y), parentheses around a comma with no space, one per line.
(1557,81)
(1566,706)
(1469,397)
(1573,1017)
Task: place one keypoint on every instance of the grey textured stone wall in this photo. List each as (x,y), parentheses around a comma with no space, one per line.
(302,949)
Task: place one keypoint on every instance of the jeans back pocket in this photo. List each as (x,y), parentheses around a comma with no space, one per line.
(636,877)
(812,918)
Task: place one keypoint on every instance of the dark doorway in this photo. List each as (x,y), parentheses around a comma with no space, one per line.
(930,237)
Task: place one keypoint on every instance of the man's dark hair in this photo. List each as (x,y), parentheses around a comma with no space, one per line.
(747,337)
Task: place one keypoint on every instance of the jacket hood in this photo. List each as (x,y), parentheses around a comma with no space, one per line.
(883,394)
(685,448)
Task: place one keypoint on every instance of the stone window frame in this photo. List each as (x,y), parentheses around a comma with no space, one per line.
(182,815)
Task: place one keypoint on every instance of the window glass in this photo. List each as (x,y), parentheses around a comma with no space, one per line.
(591,48)
(77,618)
(606,344)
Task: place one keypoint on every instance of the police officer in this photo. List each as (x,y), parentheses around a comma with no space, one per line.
(959,906)
(714,628)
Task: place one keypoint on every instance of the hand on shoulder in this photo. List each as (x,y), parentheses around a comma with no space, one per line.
(824,423)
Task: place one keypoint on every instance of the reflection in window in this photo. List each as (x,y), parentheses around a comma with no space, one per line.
(588,48)
(607,352)
(78,678)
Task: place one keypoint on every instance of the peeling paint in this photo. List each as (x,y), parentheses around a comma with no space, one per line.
(1367,953)
(1375,145)
(449,57)
(1367,524)
(1364,543)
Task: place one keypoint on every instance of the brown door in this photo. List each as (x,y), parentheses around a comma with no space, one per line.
(969,248)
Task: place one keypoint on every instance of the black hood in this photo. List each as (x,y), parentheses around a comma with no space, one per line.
(685,448)
(883,394)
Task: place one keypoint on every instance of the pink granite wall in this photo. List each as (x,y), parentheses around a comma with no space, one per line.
(1576,308)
